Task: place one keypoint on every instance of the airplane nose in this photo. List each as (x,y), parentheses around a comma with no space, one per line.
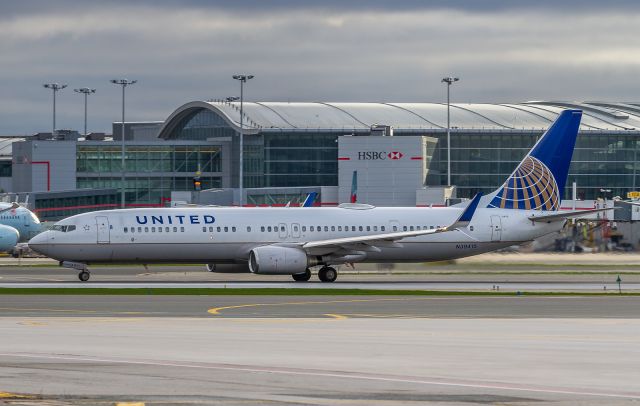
(39,242)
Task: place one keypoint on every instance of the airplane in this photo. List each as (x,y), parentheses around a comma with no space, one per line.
(291,241)
(17,224)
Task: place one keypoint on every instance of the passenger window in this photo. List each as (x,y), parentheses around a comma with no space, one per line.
(381,228)
(166,229)
(295,228)
(404,228)
(125,229)
(319,228)
(248,229)
(133,229)
(353,228)
(333,228)
(368,228)
(304,228)
(470,228)
(360,228)
(159,229)
(211,229)
(262,229)
(326,228)
(153,229)
(182,229)
(139,229)
(411,228)
(375,228)
(311,228)
(431,227)
(204,229)
(219,229)
(175,229)
(282,228)
(418,228)
(339,228)
(226,229)
(395,228)
(233,229)
(269,228)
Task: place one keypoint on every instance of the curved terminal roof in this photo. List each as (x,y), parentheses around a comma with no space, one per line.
(534,115)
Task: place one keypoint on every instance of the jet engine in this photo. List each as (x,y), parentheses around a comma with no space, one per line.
(9,237)
(275,260)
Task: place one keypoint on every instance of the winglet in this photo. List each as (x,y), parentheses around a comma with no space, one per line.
(467,214)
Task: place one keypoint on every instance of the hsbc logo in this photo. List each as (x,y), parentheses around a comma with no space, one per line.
(379,155)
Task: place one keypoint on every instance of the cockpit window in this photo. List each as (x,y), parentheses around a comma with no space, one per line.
(64,229)
(35,218)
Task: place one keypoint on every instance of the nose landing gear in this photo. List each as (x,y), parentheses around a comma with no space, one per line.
(84,274)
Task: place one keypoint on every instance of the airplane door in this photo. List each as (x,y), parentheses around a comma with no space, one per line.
(282,230)
(496,228)
(295,230)
(102,227)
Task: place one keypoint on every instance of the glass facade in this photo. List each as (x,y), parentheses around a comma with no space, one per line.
(56,208)
(482,162)
(152,171)
(481,159)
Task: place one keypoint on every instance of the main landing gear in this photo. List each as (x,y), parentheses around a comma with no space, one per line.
(327,274)
(302,277)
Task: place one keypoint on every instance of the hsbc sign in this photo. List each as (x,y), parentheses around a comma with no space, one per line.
(379,155)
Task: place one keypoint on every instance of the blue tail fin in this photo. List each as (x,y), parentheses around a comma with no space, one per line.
(538,182)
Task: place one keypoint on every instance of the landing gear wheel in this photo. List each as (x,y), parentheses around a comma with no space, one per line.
(302,277)
(84,276)
(327,274)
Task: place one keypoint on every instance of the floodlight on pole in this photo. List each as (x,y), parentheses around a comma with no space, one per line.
(124,83)
(55,87)
(243,79)
(449,81)
(86,91)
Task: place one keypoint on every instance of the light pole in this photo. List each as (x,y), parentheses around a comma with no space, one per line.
(54,87)
(86,91)
(449,81)
(124,83)
(242,79)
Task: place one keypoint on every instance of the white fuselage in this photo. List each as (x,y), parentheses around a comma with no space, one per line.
(227,235)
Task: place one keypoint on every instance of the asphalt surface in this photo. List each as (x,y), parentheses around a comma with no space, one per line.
(320,361)
(319,306)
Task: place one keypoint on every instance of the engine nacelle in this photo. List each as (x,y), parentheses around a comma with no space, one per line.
(9,237)
(228,268)
(274,260)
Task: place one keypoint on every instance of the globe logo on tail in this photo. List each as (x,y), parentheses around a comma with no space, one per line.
(531,187)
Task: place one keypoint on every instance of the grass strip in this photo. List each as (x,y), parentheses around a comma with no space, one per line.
(282,292)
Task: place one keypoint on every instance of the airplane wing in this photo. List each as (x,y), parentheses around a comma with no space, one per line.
(549,218)
(389,239)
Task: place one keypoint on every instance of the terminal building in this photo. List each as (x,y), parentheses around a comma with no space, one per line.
(396,153)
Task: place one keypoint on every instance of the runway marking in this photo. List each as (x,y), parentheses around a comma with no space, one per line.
(216,310)
(337,316)
(9,395)
(339,374)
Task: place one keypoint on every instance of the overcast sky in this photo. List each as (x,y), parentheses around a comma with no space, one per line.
(364,51)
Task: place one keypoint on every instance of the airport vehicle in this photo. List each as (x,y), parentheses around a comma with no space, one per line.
(290,241)
(17,224)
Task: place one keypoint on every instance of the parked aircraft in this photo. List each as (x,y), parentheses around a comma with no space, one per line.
(17,224)
(291,241)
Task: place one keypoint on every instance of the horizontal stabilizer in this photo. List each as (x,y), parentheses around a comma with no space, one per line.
(549,218)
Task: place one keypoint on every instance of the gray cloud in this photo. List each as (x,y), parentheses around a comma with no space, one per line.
(364,51)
